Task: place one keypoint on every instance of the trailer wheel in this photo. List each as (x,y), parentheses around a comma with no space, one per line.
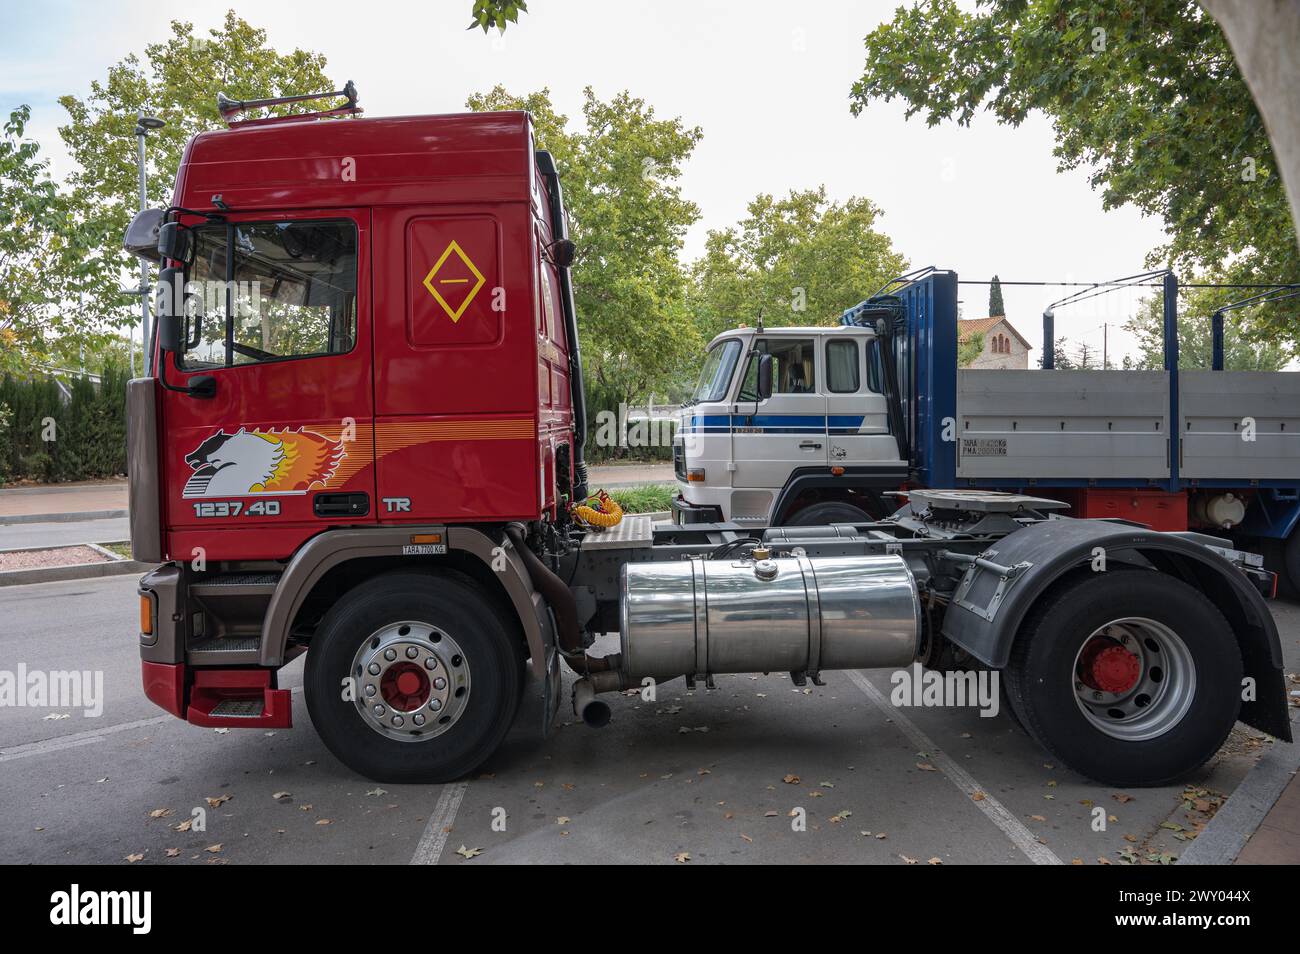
(1129,678)
(433,674)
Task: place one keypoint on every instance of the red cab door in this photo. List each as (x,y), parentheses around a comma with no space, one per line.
(279,317)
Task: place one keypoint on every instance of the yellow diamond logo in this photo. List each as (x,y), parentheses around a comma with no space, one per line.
(448,282)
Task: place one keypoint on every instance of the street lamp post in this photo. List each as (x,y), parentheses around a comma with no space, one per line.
(142,126)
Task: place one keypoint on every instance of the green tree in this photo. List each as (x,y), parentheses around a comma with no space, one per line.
(176,80)
(970,349)
(798,260)
(628,219)
(496,13)
(996,308)
(38,249)
(1147,96)
(1244,347)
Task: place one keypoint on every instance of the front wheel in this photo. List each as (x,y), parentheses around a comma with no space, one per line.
(1128,677)
(413,677)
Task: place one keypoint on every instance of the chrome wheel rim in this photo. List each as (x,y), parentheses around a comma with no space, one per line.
(411,681)
(1134,678)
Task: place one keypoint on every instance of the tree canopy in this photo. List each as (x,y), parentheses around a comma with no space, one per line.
(1146,96)
(1244,347)
(996,308)
(797,260)
(177,81)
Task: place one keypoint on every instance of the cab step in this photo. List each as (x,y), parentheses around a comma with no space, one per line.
(239,698)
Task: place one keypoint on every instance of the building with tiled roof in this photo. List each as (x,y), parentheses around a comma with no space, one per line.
(1004,347)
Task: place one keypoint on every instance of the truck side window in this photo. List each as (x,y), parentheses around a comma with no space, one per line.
(293,293)
(873,367)
(843,370)
(793,368)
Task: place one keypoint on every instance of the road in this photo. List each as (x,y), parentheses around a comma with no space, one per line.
(701,773)
(17,535)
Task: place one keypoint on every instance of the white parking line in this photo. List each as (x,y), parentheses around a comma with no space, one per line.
(434,839)
(59,743)
(45,746)
(1011,826)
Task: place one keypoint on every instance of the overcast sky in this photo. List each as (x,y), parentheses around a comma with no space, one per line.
(767,82)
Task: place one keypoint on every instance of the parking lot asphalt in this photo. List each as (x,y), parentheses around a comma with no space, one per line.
(756,770)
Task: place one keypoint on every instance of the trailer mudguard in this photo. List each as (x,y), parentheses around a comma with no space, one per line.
(988,607)
(329,549)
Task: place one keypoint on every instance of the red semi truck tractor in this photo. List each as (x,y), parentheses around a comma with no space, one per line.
(363,441)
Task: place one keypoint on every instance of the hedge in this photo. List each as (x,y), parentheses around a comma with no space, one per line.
(88,428)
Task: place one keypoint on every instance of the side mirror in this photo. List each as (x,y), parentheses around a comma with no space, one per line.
(764,376)
(175,241)
(168,310)
(563,253)
(141,236)
(169,333)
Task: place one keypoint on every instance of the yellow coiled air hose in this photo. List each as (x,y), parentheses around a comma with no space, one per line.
(606,513)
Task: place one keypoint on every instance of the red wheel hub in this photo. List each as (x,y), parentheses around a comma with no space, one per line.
(404,687)
(1108,667)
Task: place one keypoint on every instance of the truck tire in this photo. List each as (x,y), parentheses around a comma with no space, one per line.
(1129,678)
(822,514)
(436,673)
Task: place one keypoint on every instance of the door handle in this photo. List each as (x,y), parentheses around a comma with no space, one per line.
(809,445)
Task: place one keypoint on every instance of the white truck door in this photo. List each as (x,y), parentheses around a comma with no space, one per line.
(857,422)
(787,431)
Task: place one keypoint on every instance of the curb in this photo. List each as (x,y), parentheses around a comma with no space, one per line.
(78,571)
(61,517)
(1239,818)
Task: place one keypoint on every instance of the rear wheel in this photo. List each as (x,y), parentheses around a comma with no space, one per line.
(1129,678)
(413,677)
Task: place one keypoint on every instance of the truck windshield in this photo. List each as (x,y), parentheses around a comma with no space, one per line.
(716,375)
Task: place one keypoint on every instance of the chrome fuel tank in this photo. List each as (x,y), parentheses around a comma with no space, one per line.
(695,617)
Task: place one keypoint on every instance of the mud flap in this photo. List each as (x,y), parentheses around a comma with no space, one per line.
(551,687)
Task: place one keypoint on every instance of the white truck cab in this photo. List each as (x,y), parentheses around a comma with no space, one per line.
(818,449)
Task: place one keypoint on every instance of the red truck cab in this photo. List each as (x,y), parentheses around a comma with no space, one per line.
(383,323)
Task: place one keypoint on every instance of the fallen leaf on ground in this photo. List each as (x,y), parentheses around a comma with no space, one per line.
(173,852)
(218,801)
(278,796)
(910,861)
(183,826)
(160,813)
(213,849)
(791,779)
(682,857)
(469,852)
(926,767)
(935,861)
(134,858)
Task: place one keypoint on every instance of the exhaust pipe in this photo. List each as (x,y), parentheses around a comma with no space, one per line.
(587,707)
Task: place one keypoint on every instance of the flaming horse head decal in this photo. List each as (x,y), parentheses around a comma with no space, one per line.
(261,462)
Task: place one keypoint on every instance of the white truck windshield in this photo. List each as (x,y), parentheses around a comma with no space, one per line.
(716,375)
